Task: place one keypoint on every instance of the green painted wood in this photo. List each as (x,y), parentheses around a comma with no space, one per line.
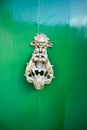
(62,104)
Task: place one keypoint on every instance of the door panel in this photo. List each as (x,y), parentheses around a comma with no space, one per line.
(61,105)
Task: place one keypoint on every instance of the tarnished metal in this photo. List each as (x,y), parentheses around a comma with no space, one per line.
(39,70)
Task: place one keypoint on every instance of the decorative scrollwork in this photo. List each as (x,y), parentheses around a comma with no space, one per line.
(39,70)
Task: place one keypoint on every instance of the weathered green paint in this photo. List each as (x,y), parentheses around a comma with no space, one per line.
(61,105)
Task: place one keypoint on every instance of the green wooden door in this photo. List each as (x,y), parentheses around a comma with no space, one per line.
(62,104)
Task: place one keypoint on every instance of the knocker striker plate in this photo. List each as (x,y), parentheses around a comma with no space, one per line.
(39,71)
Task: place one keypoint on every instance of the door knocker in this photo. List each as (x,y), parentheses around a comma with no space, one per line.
(39,71)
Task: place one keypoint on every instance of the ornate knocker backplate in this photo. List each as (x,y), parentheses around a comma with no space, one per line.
(39,70)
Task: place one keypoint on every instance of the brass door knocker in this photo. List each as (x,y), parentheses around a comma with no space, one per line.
(39,70)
